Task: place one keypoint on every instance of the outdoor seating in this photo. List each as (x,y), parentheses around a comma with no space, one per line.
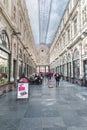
(35,79)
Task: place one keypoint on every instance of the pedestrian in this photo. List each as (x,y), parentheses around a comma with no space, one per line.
(57,78)
(61,76)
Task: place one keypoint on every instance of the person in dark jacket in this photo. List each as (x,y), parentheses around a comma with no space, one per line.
(57,78)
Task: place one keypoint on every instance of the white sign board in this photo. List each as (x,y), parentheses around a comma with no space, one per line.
(22,91)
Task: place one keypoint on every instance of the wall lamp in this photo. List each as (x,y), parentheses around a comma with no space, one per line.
(25,47)
(30,55)
(84,34)
(16,33)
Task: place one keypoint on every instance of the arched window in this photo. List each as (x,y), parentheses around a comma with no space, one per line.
(68,58)
(4,41)
(63,61)
(76,54)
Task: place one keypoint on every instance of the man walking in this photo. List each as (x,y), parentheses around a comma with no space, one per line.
(57,78)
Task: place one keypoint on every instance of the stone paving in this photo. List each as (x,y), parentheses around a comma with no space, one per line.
(61,108)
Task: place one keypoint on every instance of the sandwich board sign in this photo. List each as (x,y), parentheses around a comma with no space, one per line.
(22,90)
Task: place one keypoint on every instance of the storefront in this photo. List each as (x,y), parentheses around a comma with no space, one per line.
(27,70)
(20,67)
(65,71)
(76,66)
(85,72)
(69,71)
(69,67)
(4,67)
(20,63)
(58,69)
(4,58)
(76,69)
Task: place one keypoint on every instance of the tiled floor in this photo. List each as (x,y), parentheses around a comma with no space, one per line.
(61,108)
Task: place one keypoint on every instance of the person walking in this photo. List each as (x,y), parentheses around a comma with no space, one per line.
(57,78)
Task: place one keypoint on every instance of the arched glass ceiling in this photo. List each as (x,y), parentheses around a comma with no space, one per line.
(44,18)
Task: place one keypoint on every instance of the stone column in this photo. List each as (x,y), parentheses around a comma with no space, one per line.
(11,60)
(17,60)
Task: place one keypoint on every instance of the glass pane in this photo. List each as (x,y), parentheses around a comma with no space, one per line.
(4,67)
(68,69)
(86,71)
(20,68)
(47,69)
(76,69)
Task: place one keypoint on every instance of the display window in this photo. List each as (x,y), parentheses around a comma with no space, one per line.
(76,64)
(85,71)
(58,69)
(20,68)
(76,69)
(69,65)
(65,70)
(4,67)
(69,69)
(24,68)
(4,58)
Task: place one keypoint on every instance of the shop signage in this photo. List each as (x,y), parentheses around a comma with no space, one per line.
(22,90)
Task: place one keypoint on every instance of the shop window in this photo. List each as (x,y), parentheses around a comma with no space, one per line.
(85,50)
(65,69)
(25,68)
(76,64)
(68,58)
(4,67)
(20,68)
(69,69)
(69,65)
(4,58)
(76,69)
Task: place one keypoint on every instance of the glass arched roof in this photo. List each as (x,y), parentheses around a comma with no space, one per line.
(44,18)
